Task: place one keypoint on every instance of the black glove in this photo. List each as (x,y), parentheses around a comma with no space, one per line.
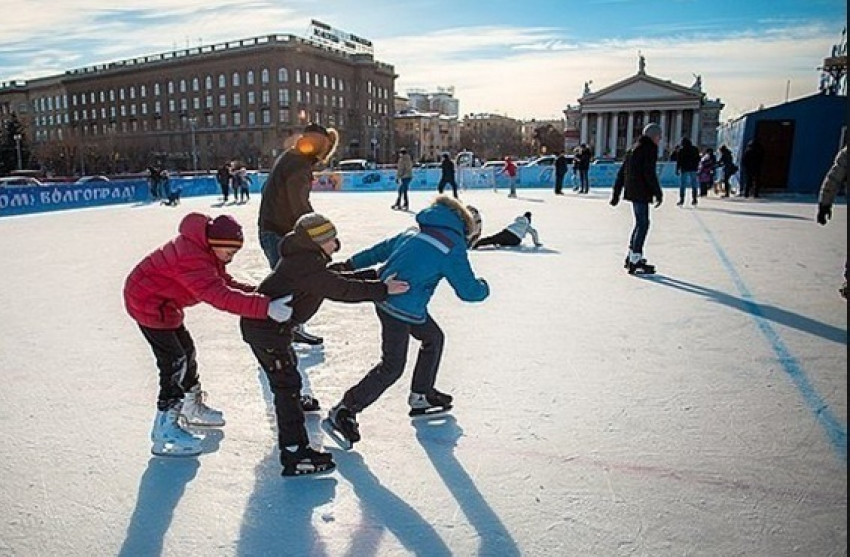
(824,213)
(615,201)
(341,266)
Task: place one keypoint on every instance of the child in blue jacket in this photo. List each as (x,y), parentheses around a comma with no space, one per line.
(422,257)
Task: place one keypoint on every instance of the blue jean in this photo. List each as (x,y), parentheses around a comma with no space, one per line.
(641,211)
(688,179)
(270,242)
(403,187)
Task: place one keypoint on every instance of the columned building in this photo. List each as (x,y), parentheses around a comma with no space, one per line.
(611,119)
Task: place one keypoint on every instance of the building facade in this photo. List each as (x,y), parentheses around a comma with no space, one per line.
(426,135)
(611,119)
(196,108)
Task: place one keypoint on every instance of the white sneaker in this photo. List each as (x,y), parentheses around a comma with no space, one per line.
(169,439)
(197,413)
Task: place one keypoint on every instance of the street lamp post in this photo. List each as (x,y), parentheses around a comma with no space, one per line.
(18,138)
(193,122)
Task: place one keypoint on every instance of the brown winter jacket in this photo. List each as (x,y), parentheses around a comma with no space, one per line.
(303,271)
(286,194)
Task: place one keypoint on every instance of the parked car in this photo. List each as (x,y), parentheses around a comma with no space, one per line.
(495,165)
(604,160)
(20,182)
(545,160)
(90,179)
(354,164)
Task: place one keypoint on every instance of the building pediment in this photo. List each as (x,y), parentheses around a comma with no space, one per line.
(644,89)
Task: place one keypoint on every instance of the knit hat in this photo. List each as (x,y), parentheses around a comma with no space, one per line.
(224,232)
(652,130)
(317,227)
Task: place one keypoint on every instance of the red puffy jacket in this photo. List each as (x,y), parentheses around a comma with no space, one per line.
(182,273)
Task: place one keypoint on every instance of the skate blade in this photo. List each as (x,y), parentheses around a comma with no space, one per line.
(336,435)
(429,412)
(187,422)
(169,450)
(308,470)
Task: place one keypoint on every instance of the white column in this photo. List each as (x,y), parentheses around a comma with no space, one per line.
(678,136)
(612,144)
(600,134)
(630,130)
(664,139)
(695,131)
(584,117)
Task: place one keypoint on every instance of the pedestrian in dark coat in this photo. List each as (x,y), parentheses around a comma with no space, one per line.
(752,160)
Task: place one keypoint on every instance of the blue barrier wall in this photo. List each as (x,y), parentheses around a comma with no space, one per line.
(55,197)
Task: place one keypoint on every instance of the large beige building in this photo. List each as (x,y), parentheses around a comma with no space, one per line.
(611,119)
(198,107)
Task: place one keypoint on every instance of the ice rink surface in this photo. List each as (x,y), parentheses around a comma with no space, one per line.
(702,411)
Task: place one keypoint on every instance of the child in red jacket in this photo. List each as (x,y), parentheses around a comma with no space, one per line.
(184,272)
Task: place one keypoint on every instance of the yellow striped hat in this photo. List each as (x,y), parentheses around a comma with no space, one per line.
(317,227)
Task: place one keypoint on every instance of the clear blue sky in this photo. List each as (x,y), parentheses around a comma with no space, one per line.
(522,59)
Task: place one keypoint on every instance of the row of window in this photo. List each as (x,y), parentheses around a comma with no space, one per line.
(60,102)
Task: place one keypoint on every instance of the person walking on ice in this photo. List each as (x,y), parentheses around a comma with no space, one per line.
(512,234)
(422,257)
(184,272)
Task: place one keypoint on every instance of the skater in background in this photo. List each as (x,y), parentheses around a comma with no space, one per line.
(303,271)
(637,181)
(834,183)
(705,171)
(687,160)
(728,168)
(584,156)
(242,185)
(225,177)
(511,235)
(447,176)
(286,196)
(184,272)
(751,162)
(403,175)
(153,182)
(173,188)
(510,170)
(437,250)
(561,168)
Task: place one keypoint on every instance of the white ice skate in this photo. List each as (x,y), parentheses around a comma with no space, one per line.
(197,413)
(169,439)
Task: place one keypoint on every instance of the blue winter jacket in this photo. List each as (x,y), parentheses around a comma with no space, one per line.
(422,257)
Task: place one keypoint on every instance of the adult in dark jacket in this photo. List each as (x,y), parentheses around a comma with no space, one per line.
(687,160)
(561,167)
(447,176)
(286,194)
(727,167)
(186,271)
(752,160)
(637,181)
(584,156)
(303,272)
(225,177)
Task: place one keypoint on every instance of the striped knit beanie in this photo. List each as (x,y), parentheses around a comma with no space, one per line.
(317,227)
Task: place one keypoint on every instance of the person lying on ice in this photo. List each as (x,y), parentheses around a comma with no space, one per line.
(512,234)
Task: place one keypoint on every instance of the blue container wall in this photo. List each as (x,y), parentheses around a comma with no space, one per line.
(818,121)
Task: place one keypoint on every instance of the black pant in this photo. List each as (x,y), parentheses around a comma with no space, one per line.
(225,188)
(751,184)
(274,351)
(174,351)
(442,185)
(395,338)
(503,238)
(584,177)
(559,182)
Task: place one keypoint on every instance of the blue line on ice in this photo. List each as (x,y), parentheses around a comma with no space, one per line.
(833,428)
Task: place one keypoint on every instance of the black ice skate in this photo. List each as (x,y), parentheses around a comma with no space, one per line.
(305,460)
(641,268)
(301,336)
(309,403)
(429,404)
(341,426)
